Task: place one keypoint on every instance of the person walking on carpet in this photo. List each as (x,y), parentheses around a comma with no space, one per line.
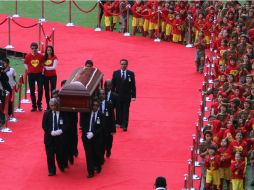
(123,83)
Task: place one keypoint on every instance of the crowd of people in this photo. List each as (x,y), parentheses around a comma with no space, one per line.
(178,21)
(7,83)
(109,109)
(226,29)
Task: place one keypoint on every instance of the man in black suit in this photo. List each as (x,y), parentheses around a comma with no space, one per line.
(123,83)
(53,124)
(111,98)
(107,105)
(92,136)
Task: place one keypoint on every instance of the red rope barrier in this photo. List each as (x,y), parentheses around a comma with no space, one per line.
(84,11)
(3,21)
(57,2)
(31,26)
(43,31)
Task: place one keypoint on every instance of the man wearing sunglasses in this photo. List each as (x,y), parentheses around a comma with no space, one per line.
(34,66)
(91,124)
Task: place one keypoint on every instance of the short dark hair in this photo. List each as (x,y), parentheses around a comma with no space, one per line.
(34,44)
(6,60)
(124,60)
(89,62)
(160,182)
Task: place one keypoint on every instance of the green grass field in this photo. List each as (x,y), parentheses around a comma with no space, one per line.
(53,12)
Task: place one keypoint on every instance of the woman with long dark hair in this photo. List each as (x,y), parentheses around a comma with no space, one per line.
(50,77)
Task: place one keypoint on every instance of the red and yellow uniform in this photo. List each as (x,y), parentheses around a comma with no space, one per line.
(239,147)
(108,8)
(221,51)
(164,17)
(137,19)
(153,20)
(34,63)
(225,155)
(208,29)
(169,24)
(199,25)
(237,169)
(145,11)
(232,69)
(217,133)
(50,62)
(212,165)
(116,11)
(178,26)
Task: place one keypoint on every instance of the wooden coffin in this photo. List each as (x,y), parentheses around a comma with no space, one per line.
(79,90)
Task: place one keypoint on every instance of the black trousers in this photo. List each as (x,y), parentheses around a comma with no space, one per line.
(122,113)
(49,86)
(108,142)
(93,153)
(32,78)
(55,150)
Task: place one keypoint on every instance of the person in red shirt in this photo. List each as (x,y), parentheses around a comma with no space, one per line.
(199,24)
(212,164)
(137,20)
(153,22)
(34,65)
(239,145)
(178,25)
(50,77)
(108,8)
(237,168)
(225,153)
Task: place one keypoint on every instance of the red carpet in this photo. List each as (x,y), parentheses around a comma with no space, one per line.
(161,120)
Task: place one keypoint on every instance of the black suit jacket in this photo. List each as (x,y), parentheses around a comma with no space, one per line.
(47,125)
(109,117)
(126,89)
(85,124)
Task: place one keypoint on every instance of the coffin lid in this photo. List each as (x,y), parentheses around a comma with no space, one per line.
(83,81)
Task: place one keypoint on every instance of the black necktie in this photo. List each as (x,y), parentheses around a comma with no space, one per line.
(93,120)
(122,75)
(55,121)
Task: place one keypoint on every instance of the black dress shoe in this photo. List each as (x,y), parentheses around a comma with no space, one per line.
(51,174)
(33,109)
(108,154)
(98,170)
(71,160)
(124,129)
(90,175)
(61,169)
(76,154)
(39,109)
